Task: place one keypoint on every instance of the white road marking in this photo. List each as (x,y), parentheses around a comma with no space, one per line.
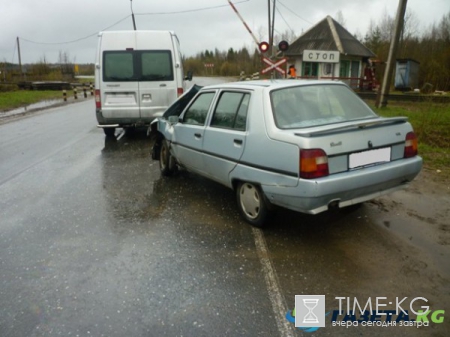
(279,306)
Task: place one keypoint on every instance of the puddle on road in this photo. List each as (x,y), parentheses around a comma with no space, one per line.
(39,105)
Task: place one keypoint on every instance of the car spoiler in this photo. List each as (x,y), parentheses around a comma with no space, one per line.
(178,106)
(323,130)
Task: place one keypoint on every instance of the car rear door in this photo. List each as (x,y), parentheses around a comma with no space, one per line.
(225,136)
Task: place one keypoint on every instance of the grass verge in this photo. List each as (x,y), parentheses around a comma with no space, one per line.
(431,122)
(16,99)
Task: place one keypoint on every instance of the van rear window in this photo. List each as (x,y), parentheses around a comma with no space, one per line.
(137,65)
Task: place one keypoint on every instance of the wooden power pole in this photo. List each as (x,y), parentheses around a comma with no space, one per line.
(399,21)
(20,58)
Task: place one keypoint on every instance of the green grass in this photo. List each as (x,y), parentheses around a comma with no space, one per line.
(16,99)
(431,122)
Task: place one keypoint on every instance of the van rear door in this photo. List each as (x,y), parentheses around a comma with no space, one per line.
(157,85)
(120,87)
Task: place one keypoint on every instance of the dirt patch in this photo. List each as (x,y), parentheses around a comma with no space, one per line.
(420,215)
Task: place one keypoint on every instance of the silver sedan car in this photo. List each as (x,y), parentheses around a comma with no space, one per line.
(308,146)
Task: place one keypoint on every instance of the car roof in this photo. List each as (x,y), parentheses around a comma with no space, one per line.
(271,84)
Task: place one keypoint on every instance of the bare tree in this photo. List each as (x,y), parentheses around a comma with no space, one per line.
(288,35)
(262,33)
(340,18)
(386,26)
(411,25)
(63,57)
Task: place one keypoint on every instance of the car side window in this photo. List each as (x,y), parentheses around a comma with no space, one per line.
(196,113)
(231,111)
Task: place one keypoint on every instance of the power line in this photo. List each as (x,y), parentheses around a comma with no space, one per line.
(290,10)
(123,19)
(82,38)
(190,10)
(287,24)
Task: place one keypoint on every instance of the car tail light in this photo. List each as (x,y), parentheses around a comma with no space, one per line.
(98,101)
(410,145)
(313,164)
(180,91)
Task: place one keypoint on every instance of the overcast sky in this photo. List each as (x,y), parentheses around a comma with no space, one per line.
(46,27)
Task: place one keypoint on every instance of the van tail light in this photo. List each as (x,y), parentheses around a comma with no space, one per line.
(410,145)
(313,164)
(98,101)
(179,91)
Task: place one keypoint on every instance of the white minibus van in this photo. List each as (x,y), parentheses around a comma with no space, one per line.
(138,74)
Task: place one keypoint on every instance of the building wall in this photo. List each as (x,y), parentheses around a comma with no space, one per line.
(349,69)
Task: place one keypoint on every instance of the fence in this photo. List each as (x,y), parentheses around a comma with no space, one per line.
(84,88)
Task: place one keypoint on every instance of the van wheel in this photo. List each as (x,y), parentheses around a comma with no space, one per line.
(251,204)
(109,132)
(164,160)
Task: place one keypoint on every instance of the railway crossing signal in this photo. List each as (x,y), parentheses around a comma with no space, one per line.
(274,65)
(263,47)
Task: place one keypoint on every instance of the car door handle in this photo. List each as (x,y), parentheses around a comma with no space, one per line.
(197,135)
(238,141)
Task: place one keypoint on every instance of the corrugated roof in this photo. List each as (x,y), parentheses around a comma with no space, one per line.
(328,34)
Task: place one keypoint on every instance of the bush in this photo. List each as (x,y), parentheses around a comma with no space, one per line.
(8,87)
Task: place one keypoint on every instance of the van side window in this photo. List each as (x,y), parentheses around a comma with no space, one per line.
(231,111)
(196,113)
(156,65)
(118,66)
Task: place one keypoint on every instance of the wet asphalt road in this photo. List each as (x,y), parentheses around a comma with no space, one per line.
(94,242)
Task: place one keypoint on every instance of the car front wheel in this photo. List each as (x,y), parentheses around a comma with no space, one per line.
(164,159)
(251,204)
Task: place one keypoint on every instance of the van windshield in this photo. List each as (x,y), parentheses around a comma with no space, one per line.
(137,65)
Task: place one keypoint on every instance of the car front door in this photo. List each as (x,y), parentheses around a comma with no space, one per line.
(188,134)
(224,137)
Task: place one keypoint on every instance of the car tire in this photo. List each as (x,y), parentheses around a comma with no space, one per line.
(109,132)
(252,204)
(165,159)
(156,150)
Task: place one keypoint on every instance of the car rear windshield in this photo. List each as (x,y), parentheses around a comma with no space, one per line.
(314,105)
(137,65)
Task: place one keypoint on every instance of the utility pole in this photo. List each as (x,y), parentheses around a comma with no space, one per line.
(273,28)
(271,51)
(269,28)
(399,21)
(20,58)
(132,14)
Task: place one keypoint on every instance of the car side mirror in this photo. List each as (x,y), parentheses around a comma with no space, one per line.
(189,76)
(173,119)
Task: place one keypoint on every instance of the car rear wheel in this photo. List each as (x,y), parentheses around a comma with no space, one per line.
(164,159)
(251,204)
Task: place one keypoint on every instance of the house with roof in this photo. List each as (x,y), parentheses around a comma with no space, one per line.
(328,50)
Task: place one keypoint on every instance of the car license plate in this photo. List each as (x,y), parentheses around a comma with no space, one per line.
(369,157)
